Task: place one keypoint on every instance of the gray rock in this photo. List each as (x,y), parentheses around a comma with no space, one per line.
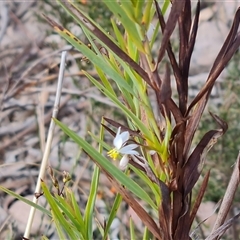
(210,38)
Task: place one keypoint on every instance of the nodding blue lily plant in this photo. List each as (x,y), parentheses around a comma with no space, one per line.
(132,67)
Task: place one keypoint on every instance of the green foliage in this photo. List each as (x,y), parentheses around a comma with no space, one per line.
(119,175)
(164,162)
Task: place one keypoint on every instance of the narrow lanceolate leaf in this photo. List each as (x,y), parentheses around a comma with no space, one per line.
(176,9)
(68,212)
(105,81)
(193,167)
(112,214)
(88,216)
(129,24)
(97,60)
(77,213)
(165,6)
(138,123)
(186,48)
(166,91)
(185,24)
(119,36)
(99,34)
(173,61)
(199,198)
(228,49)
(147,16)
(108,166)
(165,213)
(60,232)
(138,10)
(55,209)
(132,232)
(23,199)
(138,209)
(128,8)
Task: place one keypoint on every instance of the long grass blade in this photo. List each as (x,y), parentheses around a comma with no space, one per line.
(59,215)
(108,166)
(23,199)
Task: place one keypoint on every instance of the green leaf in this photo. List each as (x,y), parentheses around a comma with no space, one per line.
(147,14)
(129,113)
(44,238)
(128,23)
(119,36)
(132,232)
(58,226)
(112,214)
(104,80)
(165,6)
(78,214)
(139,10)
(88,216)
(66,209)
(146,234)
(128,8)
(43,210)
(58,214)
(108,166)
(155,190)
(97,60)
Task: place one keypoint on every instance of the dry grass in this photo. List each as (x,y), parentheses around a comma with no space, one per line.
(29,67)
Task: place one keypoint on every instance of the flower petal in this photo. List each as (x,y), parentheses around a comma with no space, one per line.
(129,149)
(123,162)
(118,131)
(125,136)
(117,141)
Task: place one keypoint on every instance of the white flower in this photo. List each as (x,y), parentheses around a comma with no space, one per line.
(124,162)
(121,147)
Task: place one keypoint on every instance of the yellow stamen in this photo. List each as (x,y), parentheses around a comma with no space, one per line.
(113,153)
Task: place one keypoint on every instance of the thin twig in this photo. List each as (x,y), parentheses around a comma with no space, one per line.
(48,144)
(228,196)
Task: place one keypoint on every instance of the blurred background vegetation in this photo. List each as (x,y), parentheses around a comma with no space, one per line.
(222,156)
